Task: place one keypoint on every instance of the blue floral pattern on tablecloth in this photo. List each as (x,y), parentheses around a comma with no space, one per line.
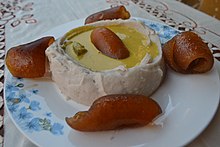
(23,109)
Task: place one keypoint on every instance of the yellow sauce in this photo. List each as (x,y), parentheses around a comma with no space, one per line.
(96,61)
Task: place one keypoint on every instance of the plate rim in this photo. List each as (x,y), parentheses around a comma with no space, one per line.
(6,72)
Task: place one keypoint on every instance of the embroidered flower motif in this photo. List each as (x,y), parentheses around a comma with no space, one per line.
(115,3)
(10,12)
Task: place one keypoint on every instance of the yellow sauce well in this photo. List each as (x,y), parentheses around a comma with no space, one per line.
(93,59)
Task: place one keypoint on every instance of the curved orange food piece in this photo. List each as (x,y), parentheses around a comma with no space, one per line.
(109,43)
(109,14)
(187,53)
(116,111)
(28,60)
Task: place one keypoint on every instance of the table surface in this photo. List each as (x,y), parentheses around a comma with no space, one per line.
(28,19)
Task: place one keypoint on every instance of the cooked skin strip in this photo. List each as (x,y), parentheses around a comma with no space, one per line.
(118,12)
(116,111)
(29,60)
(109,43)
(187,53)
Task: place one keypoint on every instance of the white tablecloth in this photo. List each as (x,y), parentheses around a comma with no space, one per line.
(24,20)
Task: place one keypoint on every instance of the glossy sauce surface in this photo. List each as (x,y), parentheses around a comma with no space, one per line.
(96,61)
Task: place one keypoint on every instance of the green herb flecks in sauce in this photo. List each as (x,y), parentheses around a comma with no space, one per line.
(135,41)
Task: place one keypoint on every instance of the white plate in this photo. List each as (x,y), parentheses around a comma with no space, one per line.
(188,101)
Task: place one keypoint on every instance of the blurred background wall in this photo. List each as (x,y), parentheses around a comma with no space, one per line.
(210,7)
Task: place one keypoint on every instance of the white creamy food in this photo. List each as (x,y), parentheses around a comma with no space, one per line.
(80,83)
